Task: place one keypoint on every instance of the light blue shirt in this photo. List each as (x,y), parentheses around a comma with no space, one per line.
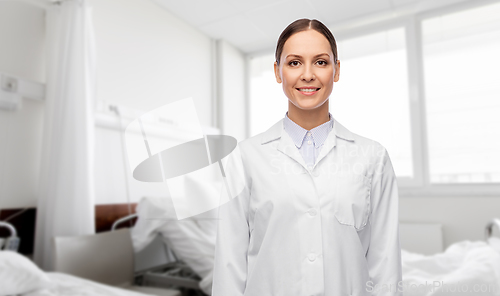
(310,142)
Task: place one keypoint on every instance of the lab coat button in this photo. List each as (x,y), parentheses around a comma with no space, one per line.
(309,142)
(310,167)
(312,212)
(311,257)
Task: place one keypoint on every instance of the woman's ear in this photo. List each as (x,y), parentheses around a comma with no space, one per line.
(337,71)
(277,72)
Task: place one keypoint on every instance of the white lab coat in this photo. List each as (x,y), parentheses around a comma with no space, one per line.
(330,231)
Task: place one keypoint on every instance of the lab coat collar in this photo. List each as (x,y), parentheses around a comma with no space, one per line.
(276,131)
(286,143)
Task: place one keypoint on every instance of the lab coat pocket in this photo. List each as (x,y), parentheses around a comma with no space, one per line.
(351,195)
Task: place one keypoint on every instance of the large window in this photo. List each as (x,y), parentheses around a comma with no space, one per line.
(371,97)
(461,54)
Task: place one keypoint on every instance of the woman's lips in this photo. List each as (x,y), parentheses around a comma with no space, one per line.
(307,91)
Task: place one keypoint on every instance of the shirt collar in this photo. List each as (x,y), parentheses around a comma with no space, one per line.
(298,133)
(276,131)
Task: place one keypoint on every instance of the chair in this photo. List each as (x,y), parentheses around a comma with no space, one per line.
(106,257)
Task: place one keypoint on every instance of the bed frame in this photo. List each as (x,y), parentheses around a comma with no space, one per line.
(495,223)
(24,219)
(172,273)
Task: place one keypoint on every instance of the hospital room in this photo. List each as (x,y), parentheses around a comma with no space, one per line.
(133,137)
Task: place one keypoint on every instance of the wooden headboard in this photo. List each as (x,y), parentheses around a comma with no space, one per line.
(24,222)
(106,215)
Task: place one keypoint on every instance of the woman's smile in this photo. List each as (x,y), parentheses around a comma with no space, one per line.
(308,91)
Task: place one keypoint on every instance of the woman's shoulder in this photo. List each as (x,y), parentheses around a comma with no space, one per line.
(354,144)
(354,138)
(271,134)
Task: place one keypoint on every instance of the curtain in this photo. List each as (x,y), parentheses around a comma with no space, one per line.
(66,193)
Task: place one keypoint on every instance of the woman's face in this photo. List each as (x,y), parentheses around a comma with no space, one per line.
(307,69)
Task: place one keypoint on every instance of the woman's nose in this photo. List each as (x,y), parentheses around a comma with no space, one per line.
(308,74)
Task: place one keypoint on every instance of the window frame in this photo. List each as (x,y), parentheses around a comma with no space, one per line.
(406,23)
(420,184)
(427,188)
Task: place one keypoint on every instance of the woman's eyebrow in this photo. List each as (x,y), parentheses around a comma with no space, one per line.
(299,56)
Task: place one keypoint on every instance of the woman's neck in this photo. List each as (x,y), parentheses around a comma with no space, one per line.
(308,119)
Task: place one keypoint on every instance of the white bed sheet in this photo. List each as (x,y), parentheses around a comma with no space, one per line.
(465,268)
(68,285)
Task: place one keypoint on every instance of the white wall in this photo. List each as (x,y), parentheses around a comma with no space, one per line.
(111,175)
(22,36)
(146,57)
(463,218)
(231,69)
(232,90)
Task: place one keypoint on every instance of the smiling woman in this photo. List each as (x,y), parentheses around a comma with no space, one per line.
(318,214)
(307,65)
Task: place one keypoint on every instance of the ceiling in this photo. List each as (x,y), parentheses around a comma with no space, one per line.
(255,25)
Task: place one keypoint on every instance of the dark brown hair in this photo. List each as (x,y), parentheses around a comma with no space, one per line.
(303,25)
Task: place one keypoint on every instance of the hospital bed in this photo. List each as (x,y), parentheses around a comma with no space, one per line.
(189,245)
(168,273)
(83,266)
(464,268)
(11,242)
(427,268)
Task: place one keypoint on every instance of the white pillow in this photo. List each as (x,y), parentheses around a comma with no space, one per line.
(19,275)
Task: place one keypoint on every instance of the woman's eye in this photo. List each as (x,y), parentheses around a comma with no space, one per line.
(294,63)
(322,63)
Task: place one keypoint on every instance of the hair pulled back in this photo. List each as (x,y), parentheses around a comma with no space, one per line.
(303,25)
